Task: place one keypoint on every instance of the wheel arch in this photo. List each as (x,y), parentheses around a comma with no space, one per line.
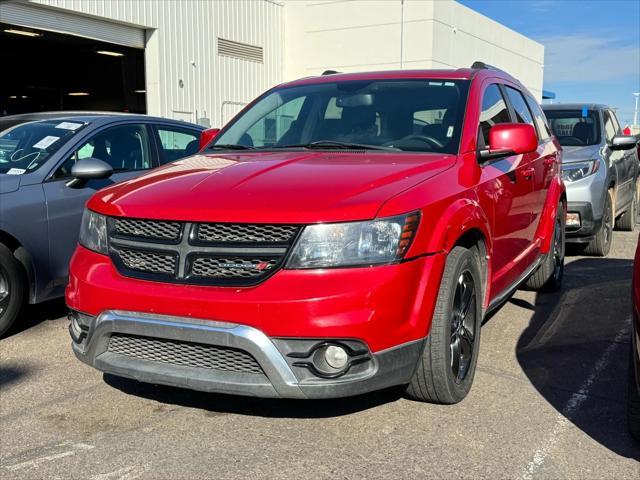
(24,258)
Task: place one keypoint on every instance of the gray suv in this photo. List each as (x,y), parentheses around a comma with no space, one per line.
(50,164)
(600,171)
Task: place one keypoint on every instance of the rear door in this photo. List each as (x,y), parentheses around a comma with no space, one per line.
(624,160)
(176,142)
(127,148)
(506,190)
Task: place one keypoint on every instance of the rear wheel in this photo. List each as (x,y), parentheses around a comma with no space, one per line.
(601,244)
(445,370)
(548,277)
(12,288)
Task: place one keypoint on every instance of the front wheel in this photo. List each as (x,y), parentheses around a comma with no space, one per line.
(548,277)
(12,288)
(445,370)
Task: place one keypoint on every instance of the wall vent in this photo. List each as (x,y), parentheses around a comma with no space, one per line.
(243,51)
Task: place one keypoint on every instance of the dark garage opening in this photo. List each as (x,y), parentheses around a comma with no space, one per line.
(44,71)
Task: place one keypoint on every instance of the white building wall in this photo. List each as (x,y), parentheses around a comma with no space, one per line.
(300,38)
(181,45)
(381,35)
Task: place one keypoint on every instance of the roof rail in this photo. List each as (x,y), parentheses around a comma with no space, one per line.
(484,66)
(330,72)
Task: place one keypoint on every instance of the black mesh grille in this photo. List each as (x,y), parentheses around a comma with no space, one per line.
(223,254)
(184,354)
(239,233)
(216,267)
(151,262)
(153,229)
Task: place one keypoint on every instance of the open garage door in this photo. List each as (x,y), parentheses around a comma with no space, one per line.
(53,60)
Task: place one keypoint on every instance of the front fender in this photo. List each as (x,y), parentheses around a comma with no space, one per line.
(555,194)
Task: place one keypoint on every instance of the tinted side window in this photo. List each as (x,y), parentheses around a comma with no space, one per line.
(494,111)
(541,121)
(609,126)
(523,115)
(124,147)
(177,143)
(616,125)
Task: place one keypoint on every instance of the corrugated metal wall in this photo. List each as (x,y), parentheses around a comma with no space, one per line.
(184,31)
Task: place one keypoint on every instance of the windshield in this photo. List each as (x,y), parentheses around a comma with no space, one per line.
(27,146)
(574,128)
(409,115)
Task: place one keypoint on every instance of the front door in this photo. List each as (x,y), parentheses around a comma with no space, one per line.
(127,149)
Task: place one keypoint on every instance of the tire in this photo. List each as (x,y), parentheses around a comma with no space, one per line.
(12,288)
(548,277)
(446,368)
(601,244)
(627,221)
(633,400)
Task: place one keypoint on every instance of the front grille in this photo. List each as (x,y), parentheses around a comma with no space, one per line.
(153,229)
(219,267)
(237,233)
(199,253)
(184,354)
(147,261)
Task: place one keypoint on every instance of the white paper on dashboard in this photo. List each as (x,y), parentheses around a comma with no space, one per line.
(16,171)
(46,142)
(69,125)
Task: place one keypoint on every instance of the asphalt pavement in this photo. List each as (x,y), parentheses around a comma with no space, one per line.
(548,402)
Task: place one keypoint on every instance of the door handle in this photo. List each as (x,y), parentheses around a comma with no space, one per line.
(527,173)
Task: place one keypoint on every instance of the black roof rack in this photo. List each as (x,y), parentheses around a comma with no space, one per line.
(330,72)
(486,66)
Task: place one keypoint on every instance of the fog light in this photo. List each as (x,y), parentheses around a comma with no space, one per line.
(573,220)
(336,357)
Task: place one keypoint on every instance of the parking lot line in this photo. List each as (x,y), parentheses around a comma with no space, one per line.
(568,413)
(34,462)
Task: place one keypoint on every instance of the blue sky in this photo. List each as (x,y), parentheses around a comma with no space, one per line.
(592,48)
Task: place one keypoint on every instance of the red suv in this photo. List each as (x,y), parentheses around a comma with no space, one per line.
(342,234)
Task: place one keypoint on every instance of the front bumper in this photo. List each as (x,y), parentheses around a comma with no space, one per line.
(382,306)
(278,374)
(589,226)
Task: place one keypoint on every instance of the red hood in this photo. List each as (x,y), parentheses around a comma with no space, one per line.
(278,187)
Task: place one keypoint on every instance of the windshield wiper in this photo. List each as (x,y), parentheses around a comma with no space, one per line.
(230,146)
(333,144)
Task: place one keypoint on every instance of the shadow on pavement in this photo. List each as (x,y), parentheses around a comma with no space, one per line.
(562,349)
(9,375)
(33,315)
(260,407)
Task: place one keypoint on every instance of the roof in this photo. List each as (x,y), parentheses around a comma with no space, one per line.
(574,106)
(85,116)
(449,74)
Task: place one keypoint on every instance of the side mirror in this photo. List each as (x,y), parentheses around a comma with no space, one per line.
(207,135)
(88,169)
(623,142)
(507,139)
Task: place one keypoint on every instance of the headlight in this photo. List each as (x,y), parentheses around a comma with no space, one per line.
(93,232)
(357,243)
(576,171)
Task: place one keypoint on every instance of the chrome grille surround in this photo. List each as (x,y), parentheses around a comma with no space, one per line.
(226,255)
(186,354)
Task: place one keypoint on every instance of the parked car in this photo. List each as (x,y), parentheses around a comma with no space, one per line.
(633,402)
(322,248)
(50,164)
(600,171)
